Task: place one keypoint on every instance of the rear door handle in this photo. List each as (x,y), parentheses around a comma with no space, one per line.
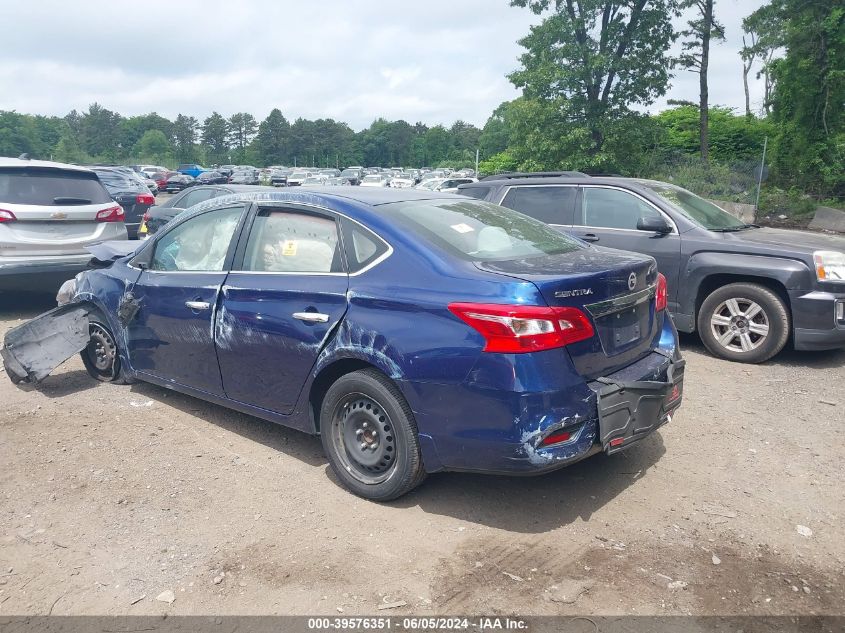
(198,305)
(311,317)
(590,237)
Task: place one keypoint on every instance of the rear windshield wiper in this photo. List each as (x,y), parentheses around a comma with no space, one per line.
(70,200)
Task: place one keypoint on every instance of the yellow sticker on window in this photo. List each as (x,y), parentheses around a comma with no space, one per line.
(289,248)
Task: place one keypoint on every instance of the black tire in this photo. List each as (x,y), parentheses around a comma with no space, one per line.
(744,322)
(370,437)
(101,357)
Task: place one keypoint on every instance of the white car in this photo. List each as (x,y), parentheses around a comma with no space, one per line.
(450,185)
(49,213)
(375,180)
(402,181)
(298,177)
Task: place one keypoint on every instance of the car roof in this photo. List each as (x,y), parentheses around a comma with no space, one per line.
(557,180)
(18,162)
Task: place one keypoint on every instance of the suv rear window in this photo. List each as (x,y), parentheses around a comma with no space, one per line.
(117,181)
(48,187)
(479,231)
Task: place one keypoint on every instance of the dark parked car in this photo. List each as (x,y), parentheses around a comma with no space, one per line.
(177,182)
(210,178)
(159,215)
(279,177)
(130,192)
(746,290)
(517,349)
(353,176)
(244,177)
(161,179)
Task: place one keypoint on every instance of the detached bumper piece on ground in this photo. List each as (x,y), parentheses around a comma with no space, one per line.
(32,350)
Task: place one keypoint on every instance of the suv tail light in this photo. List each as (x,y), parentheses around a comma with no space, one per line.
(661,298)
(112,214)
(516,329)
(7,216)
(145,198)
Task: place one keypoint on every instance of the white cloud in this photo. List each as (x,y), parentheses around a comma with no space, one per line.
(433,62)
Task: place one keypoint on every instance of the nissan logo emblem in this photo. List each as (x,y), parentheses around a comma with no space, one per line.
(632,281)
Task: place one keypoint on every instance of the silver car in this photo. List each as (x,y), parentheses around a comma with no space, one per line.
(49,213)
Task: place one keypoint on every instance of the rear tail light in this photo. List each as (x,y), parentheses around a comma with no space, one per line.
(661,298)
(145,198)
(7,216)
(557,437)
(515,329)
(112,214)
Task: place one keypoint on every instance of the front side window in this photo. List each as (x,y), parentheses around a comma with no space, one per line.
(293,241)
(612,209)
(198,244)
(479,231)
(551,205)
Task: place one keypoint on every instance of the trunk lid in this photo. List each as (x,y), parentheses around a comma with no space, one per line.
(616,289)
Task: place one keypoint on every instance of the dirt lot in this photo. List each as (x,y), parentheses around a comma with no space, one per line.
(111,495)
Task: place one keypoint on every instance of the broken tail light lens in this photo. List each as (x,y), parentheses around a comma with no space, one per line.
(661,298)
(510,329)
(7,216)
(112,214)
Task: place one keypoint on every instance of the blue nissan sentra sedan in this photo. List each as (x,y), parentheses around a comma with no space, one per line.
(415,332)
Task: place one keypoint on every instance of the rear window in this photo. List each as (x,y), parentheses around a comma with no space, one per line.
(479,231)
(474,192)
(121,181)
(47,187)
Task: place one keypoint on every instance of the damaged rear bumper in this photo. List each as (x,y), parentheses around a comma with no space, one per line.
(34,349)
(504,432)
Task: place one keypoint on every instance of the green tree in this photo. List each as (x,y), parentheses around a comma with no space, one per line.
(185,138)
(762,38)
(153,146)
(593,59)
(696,57)
(215,134)
(99,133)
(271,143)
(808,101)
(242,129)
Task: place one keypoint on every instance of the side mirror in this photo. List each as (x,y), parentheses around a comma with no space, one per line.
(654,224)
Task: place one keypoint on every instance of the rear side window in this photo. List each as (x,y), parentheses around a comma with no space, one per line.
(552,205)
(292,241)
(474,192)
(479,231)
(48,187)
(362,246)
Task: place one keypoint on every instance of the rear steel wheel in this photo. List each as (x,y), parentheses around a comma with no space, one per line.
(370,436)
(362,433)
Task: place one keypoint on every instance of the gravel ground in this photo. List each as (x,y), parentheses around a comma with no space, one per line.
(113,496)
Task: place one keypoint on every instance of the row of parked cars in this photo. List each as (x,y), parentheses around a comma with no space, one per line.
(540,304)
(734,283)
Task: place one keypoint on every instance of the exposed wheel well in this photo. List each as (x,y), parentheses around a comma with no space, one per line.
(713,282)
(326,378)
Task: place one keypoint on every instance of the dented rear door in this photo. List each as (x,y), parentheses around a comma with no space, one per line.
(280,306)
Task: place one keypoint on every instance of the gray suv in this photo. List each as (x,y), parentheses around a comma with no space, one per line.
(49,213)
(746,290)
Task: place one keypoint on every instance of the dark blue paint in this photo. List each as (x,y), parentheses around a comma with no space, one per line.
(474,411)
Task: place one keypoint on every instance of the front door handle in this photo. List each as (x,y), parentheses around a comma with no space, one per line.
(590,237)
(311,317)
(198,305)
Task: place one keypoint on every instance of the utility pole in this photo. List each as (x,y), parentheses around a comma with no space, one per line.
(760,176)
(476,162)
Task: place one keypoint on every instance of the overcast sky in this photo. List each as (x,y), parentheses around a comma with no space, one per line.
(434,61)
